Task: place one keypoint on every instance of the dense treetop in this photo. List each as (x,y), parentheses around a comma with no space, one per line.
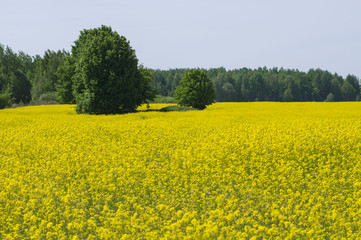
(103,75)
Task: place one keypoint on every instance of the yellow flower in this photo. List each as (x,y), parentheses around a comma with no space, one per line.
(235,170)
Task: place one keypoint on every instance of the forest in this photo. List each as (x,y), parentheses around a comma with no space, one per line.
(263,84)
(33,79)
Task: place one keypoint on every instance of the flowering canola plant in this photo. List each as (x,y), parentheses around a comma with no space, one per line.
(232,171)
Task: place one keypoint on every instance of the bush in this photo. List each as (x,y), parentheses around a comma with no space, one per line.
(4,100)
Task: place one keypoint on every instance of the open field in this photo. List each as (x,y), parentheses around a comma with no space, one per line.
(232,171)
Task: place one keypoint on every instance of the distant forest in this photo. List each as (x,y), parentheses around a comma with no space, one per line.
(263,84)
(26,79)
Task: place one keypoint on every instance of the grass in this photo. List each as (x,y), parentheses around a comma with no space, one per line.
(175,108)
(161,107)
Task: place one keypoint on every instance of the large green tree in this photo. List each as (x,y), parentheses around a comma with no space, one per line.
(107,78)
(195,90)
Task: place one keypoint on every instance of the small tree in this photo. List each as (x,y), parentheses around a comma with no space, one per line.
(195,90)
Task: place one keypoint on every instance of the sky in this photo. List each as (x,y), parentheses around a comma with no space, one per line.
(295,34)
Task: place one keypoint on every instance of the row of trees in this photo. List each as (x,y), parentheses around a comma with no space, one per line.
(53,77)
(264,84)
(24,78)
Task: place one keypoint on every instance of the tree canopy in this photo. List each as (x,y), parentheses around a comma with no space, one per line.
(103,74)
(195,90)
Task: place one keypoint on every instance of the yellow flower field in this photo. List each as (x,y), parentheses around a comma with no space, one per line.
(232,171)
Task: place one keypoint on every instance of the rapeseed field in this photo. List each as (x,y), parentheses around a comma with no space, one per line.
(232,171)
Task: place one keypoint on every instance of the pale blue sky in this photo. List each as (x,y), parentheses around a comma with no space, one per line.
(198,33)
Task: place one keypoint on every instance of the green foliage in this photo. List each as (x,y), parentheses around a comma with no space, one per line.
(228,92)
(21,86)
(56,71)
(13,78)
(4,100)
(195,90)
(44,77)
(163,99)
(287,95)
(64,89)
(107,78)
(349,93)
(49,97)
(266,84)
(166,81)
(147,93)
(330,98)
(354,82)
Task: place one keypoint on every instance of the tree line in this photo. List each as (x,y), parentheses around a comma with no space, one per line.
(263,84)
(26,79)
